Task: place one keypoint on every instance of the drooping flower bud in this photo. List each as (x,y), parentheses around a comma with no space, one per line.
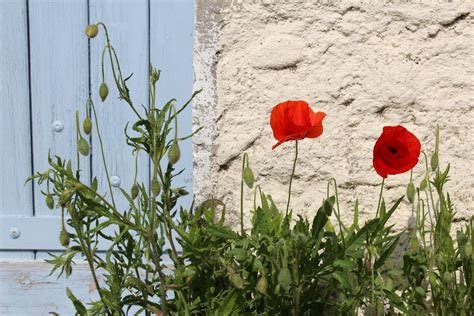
(262,285)
(284,278)
(87,125)
(235,278)
(249,178)
(155,187)
(134,191)
(64,238)
(83,147)
(423,184)
(92,30)
(411,192)
(49,201)
(174,153)
(103,91)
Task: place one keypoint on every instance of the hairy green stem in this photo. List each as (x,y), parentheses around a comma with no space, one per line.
(242,195)
(291,178)
(380,198)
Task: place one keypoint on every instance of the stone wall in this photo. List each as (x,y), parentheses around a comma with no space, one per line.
(365,64)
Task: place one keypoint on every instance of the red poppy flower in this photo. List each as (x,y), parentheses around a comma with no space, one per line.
(294,120)
(396,151)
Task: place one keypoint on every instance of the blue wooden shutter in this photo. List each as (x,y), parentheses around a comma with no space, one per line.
(48,69)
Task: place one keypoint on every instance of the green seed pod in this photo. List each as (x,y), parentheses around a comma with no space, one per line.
(284,278)
(174,153)
(434,161)
(411,192)
(49,201)
(87,125)
(423,184)
(64,238)
(103,91)
(155,187)
(83,146)
(134,191)
(262,285)
(92,30)
(249,178)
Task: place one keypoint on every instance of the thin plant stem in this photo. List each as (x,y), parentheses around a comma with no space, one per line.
(430,191)
(291,178)
(75,223)
(242,196)
(380,198)
(413,203)
(338,211)
(102,153)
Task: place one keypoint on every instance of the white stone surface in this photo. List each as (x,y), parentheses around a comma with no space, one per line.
(366,64)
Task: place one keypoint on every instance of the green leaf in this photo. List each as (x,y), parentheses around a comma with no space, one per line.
(342,279)
(80,309)
(319,222)
(229,305)
(381,260)
(328,205)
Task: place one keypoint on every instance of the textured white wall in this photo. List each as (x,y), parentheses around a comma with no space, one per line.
(366,64)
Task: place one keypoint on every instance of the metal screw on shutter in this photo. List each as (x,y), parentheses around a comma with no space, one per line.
(58,126)
(15,233)
(115,180)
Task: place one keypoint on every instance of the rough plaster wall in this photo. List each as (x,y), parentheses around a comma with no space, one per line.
(366,64)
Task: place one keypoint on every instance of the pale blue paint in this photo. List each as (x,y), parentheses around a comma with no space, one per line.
(46,73)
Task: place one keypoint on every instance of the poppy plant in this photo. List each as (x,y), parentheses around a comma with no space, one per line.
(295,120)
(396,151)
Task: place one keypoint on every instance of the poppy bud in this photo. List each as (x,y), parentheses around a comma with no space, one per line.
(155,187)
(240,255)
(411,192)
(434,161)
(262,285)
(87,125)
(64,238)
(92,30)
(174,153)
(83,147)
(423,184)
(236,280)
(249,179)
(134,191)
(284,278)
(103,91)
(49,201)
